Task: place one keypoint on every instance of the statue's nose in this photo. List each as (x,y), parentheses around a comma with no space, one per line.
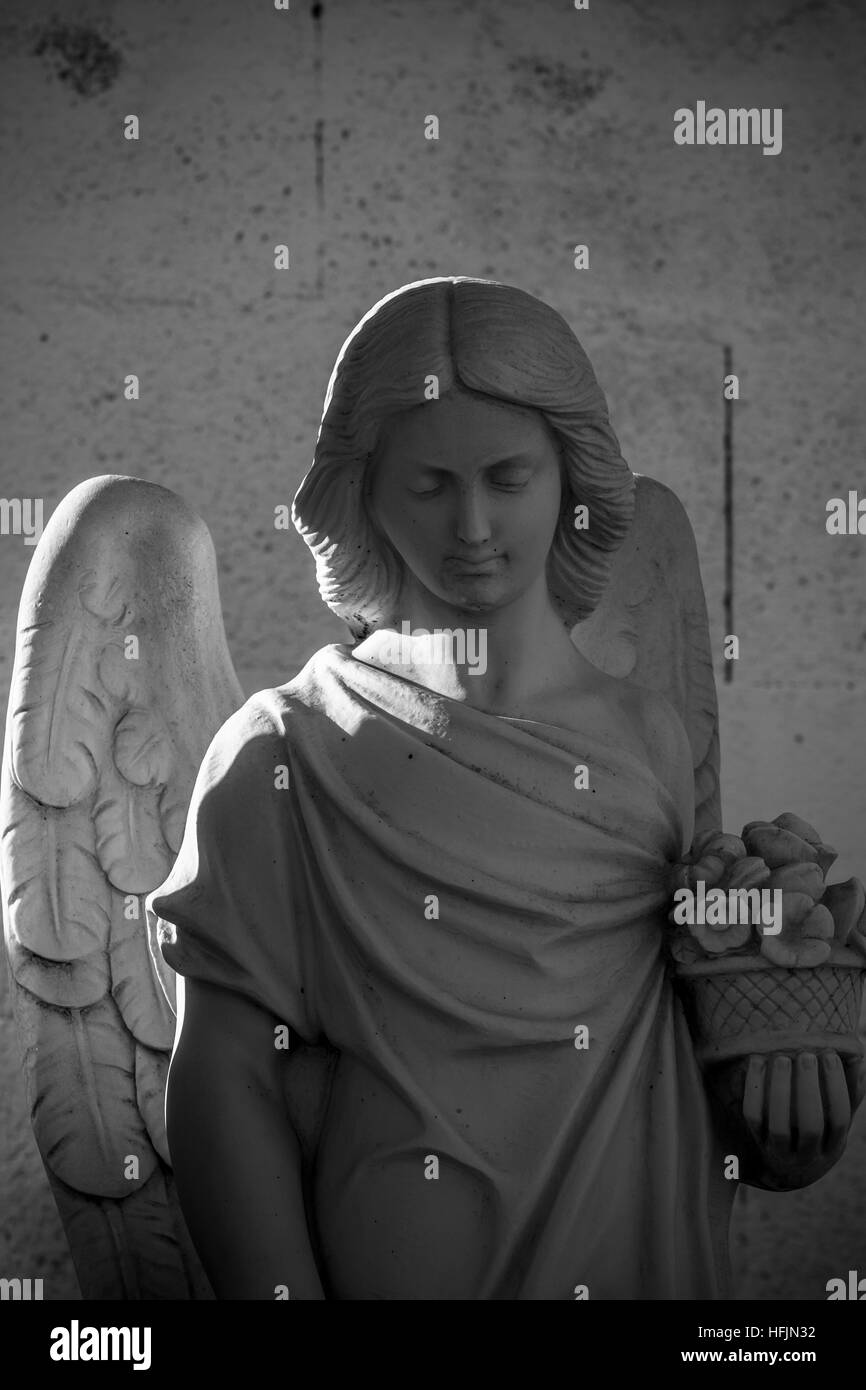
(473,524)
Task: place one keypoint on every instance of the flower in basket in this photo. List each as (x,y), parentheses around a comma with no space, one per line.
(785,856)
(716,861)
(797,859)
(768,999)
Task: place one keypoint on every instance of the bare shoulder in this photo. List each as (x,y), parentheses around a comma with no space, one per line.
(645,709)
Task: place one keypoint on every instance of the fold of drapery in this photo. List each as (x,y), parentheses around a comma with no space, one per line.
(434,896)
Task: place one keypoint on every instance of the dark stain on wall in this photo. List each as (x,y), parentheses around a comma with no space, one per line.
(78,55)
(555,85)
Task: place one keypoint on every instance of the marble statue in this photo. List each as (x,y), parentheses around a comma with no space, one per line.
(441,1032)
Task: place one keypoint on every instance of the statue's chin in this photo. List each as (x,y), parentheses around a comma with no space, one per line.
(475,594)
(470,605)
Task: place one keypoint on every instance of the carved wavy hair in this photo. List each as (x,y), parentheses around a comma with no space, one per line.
(484,337)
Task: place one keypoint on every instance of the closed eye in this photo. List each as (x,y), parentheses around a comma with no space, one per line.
(500,487)
(504,482)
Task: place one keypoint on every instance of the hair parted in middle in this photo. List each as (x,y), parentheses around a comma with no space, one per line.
(472,335)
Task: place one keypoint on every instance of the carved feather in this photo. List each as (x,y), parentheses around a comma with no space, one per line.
(56,715)
(135,987)
(137,1248)
(151,1070)
(57,898)
(80,1069)
(173,807)
(130,845)
(142,751)
(58,712)
(69,984)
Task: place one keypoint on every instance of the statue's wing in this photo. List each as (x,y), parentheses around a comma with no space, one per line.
(651,625)
(122,676)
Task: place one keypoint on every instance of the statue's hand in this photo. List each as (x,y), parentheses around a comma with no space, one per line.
(798,1110)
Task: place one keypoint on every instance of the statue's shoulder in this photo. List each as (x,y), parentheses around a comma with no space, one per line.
(267,713)
(653,717)
(306,696)
(654,722)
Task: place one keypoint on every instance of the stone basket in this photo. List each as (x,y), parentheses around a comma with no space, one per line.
(738,1005)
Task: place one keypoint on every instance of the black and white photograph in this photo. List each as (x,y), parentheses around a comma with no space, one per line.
(432,640)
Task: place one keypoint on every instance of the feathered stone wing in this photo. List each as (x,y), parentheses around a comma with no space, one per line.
(651,625)
(122,676)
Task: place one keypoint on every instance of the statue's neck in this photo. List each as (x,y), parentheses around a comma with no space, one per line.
(500,661)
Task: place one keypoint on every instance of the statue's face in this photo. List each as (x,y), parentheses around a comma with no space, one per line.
(468,491)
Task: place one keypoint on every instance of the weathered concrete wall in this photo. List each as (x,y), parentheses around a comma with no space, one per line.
(556,128)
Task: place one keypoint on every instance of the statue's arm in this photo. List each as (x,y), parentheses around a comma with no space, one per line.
(237,1158)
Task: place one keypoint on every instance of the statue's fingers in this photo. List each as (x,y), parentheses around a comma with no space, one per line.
(809,1119)
(753,1096)
(855,1075)
(778,1106)
(837,1102)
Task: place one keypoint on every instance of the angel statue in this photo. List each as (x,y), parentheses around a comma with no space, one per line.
(437,1036)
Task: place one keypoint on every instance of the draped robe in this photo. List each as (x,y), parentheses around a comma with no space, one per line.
(517,1112)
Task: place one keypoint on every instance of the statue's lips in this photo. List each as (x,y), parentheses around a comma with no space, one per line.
(463,567)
